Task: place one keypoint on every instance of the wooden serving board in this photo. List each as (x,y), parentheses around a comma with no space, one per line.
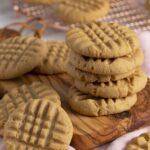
(90,132)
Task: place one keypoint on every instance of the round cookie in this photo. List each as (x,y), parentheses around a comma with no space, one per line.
(18,96)
(55,59)
(44,2)
(115,66)
(6,33)
(20,55)
(102,40)
(82,11)
(38,125)
(91,77)
(141,142)
(92,106)
(115,89)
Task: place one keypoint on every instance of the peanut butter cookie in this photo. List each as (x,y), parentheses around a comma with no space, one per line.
(115,89)
(102,40)
(38,125)
(88,105)
(74,11)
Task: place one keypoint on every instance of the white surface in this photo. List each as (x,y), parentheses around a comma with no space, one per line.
(121,142)
(145,44)
(8,16)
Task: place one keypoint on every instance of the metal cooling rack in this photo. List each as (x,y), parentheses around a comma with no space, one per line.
(132,13)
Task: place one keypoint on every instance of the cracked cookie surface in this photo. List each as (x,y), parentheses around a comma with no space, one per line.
(115,89)
(91,77)
(88,105)
(113,66)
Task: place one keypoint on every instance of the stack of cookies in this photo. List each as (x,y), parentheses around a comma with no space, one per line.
(105,60)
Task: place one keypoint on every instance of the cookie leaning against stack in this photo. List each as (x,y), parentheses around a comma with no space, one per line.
(55,60)
(104,60)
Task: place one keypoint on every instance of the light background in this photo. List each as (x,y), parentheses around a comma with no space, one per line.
(7,15)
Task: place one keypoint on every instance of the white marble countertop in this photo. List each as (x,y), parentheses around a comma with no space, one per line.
(7,16)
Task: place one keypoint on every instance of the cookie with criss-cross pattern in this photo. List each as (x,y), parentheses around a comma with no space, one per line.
(74,11)
(91,77)
(21,95)
(88,105)
(115,89)
(141,142)
(20,55)
(110,66)
(102,40)
(55,60)
(38,125)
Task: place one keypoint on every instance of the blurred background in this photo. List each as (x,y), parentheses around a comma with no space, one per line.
(8,15)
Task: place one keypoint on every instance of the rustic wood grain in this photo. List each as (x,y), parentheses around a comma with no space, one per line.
(90,132)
